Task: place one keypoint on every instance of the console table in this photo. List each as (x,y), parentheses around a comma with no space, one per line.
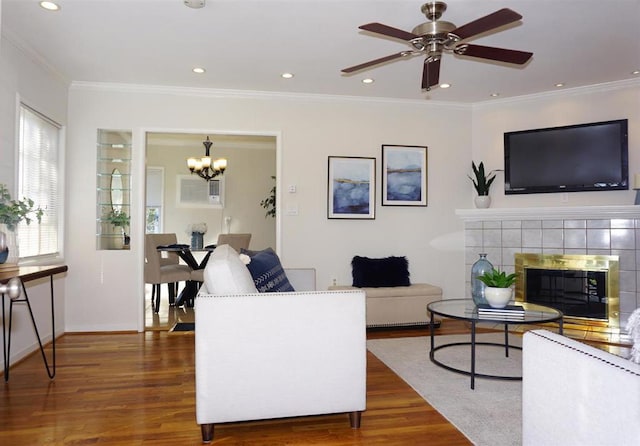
(27,274)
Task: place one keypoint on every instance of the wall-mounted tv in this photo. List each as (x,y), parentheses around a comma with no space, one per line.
(574,158)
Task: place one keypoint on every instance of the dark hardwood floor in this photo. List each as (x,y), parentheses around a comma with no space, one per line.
(138,389)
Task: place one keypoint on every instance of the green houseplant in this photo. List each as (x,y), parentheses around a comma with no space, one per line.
(482,183)
(119,219)
(498,279)
(13,212)
(269,203)
(498,292)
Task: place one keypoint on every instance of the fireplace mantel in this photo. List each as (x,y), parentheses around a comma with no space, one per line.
(550,213)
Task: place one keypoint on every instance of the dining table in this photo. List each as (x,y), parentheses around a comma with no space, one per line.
(185,252)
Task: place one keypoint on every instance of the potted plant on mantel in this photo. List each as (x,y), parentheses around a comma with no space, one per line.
(482,184)
(498,292)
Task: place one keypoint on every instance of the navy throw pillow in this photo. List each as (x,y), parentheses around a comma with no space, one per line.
(388,271)
(267,272)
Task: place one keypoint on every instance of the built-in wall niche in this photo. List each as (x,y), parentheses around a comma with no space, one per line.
(113,191)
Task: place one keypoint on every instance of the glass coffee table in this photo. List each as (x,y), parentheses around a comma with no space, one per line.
(465,309)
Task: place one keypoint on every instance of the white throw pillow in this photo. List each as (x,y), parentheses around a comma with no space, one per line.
(226,274)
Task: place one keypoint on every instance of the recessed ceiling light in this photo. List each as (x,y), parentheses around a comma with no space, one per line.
(287,75)
(199,70)
(368,81)
(494,95)
(50,6)
(560,84)
(635,72)
(445,85)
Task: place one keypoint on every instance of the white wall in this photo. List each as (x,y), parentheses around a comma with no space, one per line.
(23,78)
(491,120)
(107,293)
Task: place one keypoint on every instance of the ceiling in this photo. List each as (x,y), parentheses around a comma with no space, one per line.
(246,45)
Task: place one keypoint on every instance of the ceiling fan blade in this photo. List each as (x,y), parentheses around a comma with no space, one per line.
(486,23)
(493,53)
(377,61)
(430,74)
(389,31)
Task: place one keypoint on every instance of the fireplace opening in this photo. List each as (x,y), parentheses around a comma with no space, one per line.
(584,287)
(575,293)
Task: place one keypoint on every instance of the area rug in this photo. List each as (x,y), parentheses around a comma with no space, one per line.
(490,415)
(184,326)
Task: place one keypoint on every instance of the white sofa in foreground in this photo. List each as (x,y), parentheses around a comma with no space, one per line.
(575,394)
(277,354)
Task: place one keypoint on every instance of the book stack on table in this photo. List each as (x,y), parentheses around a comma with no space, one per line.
(511,312)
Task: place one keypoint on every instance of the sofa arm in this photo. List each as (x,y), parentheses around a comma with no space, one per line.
(575,394)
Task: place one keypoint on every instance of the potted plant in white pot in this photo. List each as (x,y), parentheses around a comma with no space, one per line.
(482,183)
(499,289)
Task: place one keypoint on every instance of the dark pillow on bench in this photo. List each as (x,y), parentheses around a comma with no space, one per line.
(388,271)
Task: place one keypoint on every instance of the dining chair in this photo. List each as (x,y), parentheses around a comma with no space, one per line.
(163,267)
(236,241)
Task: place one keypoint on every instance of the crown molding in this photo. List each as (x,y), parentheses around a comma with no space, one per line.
(563,93)
(254,94)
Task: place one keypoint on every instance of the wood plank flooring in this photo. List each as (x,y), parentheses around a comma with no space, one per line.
(138,389)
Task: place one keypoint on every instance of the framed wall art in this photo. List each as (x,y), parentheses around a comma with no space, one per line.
(404,175)
(351,188)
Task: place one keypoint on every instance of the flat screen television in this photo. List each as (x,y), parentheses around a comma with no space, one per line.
(574,158)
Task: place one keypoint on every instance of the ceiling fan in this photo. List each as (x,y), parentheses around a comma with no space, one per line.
(437,36)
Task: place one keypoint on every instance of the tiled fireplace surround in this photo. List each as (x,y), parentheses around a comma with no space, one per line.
(596,230)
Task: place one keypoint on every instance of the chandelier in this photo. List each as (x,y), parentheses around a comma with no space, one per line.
(205,167)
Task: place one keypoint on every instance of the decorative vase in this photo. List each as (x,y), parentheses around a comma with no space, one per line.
(196,240)
(478,287)
(498,297)
(11,240)
(482,201)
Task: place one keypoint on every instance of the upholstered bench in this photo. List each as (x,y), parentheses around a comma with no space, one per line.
(397,305)
(392,300)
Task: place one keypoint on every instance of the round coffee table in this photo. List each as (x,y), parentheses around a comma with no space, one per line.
(466,310)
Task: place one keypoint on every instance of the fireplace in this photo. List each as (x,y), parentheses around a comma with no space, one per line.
(584,287)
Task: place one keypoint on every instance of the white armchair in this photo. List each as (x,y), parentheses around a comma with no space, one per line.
(272,355)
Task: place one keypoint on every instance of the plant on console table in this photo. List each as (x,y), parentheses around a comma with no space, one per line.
(12,212)
(498,292)
(482,183)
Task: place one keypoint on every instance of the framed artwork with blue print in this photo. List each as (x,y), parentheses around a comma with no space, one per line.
(404,175)
(351,188)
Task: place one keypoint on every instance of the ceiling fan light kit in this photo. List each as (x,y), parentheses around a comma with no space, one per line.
(436,36)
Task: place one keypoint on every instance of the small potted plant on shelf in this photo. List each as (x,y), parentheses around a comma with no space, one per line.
(498,292)
(482,183)
(119,219)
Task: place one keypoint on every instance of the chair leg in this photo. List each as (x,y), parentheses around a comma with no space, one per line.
(157,286)
(172,287)
(207,432)
(354,419)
